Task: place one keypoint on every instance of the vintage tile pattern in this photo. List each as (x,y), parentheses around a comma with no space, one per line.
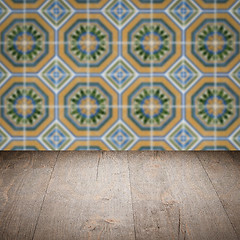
(119,75)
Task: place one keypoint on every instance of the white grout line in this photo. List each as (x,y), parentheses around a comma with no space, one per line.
(88,74)
(215,75)
(119,23)
(115,42)
(24,77)
(183,125)
(151,77)
(55,63)
(132,106)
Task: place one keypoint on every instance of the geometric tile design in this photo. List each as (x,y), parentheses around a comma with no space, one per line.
(55,137)
(216,106)
(25,106)
(26,42)
(92,4)
(183,137)
(236,10)
(119,137)
(3,74)
(220,4)
(119,75)
(152,42)
(236,74)
(3,11)
(28,4)
(183,11)
(89,44)
(56,11)
(236,138)
(220,145)
(3,138)
(151,106)
(56,74)
(88,107)
(148,4)
(29,145)
(215,42)
(119,11)
(183,74)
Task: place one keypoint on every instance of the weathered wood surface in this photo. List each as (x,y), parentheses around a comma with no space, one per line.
(223,169)
(156,214)
(119,195)
(89,197)
(173,198)
(24,177)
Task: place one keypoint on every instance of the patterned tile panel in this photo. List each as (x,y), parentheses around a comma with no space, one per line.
(119,75)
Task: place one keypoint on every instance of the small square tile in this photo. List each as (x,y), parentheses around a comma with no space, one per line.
(120,12)
(183,74)
(183,11)
(56,74)
(56,12)
(183,137)
(56,137)
(120,74)
(119,137)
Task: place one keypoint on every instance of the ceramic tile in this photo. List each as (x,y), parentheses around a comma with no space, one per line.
(119,75)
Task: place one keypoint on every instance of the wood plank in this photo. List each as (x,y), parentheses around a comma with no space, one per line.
(223,168)
(88,198)
(156,213)
(173,198)
(24,177)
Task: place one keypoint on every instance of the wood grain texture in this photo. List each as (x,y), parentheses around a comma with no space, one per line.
(173,198)
(156,213)
(88,198)
(223,169)
(119,195)
(24,177)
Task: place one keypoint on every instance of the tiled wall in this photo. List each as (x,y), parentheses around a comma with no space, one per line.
(120,74)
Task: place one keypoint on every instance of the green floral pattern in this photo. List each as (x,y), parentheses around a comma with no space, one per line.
(24,42)
(88,43)
(152,42)
(215,42)
(215,106)
(24,106)
(151,106)
(88,106)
